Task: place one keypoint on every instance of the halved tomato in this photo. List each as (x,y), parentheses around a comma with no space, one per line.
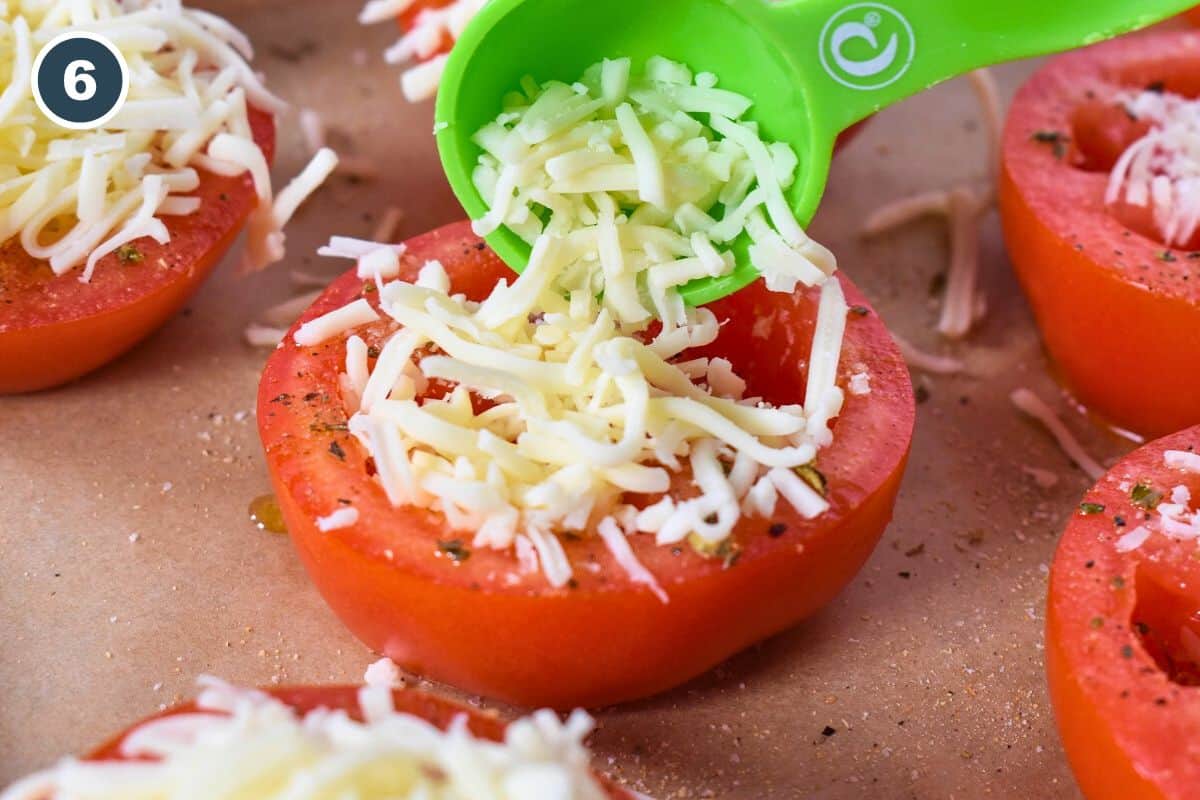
(54,329)
(1123,636)
(467,617)
(433,709)
(1118,310)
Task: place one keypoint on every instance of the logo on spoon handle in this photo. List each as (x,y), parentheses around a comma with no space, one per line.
(867,46)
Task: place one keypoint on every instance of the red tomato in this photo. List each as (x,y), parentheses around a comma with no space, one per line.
(1193,16)
(477,625)
(1123,638)
(1110,299)
(345,698)
(54,329)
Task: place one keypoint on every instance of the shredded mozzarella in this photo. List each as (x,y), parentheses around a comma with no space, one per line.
(963,207)
(928,362)
(244,743)
(389,224)
(338,520)
(335,323)
(559,409)
(1161,171)
(257,335)
(429,34)
(1133,540)
(383,672)
(594,161)
(1035,407)
(617,542)
(1183,460)
(73,197)
(312,127)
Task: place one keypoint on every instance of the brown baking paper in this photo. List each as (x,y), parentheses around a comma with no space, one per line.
(129,564)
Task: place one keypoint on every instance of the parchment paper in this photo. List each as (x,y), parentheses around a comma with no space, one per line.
(129,565)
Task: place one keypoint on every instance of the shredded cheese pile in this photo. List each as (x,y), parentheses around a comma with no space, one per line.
(1175,517)
(243,743)
(645,196)
(1161,171)
(575,416)
(424,41)
(73,197)
(560,415)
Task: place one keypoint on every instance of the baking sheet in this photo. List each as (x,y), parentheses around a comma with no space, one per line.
(130,565)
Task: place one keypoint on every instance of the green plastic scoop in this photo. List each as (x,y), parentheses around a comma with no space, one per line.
(812,67)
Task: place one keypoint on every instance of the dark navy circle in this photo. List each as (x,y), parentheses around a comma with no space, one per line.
(79,80)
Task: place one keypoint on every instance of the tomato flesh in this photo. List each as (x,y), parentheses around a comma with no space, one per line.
(1119,312)
(480,625)
(54,329)
(431,708)
(1122,636)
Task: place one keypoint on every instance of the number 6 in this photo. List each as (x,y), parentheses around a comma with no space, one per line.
(78,84)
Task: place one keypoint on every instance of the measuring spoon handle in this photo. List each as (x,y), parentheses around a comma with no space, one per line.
(859,57)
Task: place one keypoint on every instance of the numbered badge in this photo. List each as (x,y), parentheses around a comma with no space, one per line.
(80,80)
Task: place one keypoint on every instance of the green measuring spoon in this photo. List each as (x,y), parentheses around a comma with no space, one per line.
(812,67)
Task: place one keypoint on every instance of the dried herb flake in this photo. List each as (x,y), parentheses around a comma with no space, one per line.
(1145,496)
(129,254)
(814,478)
(1056,139)
(455,550)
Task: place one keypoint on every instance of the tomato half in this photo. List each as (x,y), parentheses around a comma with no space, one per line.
(1123,638)
(477,624)
(54,329)
(1119,312)
(433,709)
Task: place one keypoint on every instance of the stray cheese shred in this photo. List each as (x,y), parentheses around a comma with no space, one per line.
(559,408)
(72,197)
(1035,407)
(244,743)
(964,208)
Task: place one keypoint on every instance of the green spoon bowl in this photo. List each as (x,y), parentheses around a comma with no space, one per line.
(812,67)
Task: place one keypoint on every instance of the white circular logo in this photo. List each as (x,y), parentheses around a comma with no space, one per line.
(867,46)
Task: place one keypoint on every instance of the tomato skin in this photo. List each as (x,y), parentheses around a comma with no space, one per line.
(1130,728)
(1121,323)
(54,329)
(605,640)
(304,699)
(1193,16)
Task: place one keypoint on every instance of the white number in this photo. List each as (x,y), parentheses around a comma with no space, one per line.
(79,85)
